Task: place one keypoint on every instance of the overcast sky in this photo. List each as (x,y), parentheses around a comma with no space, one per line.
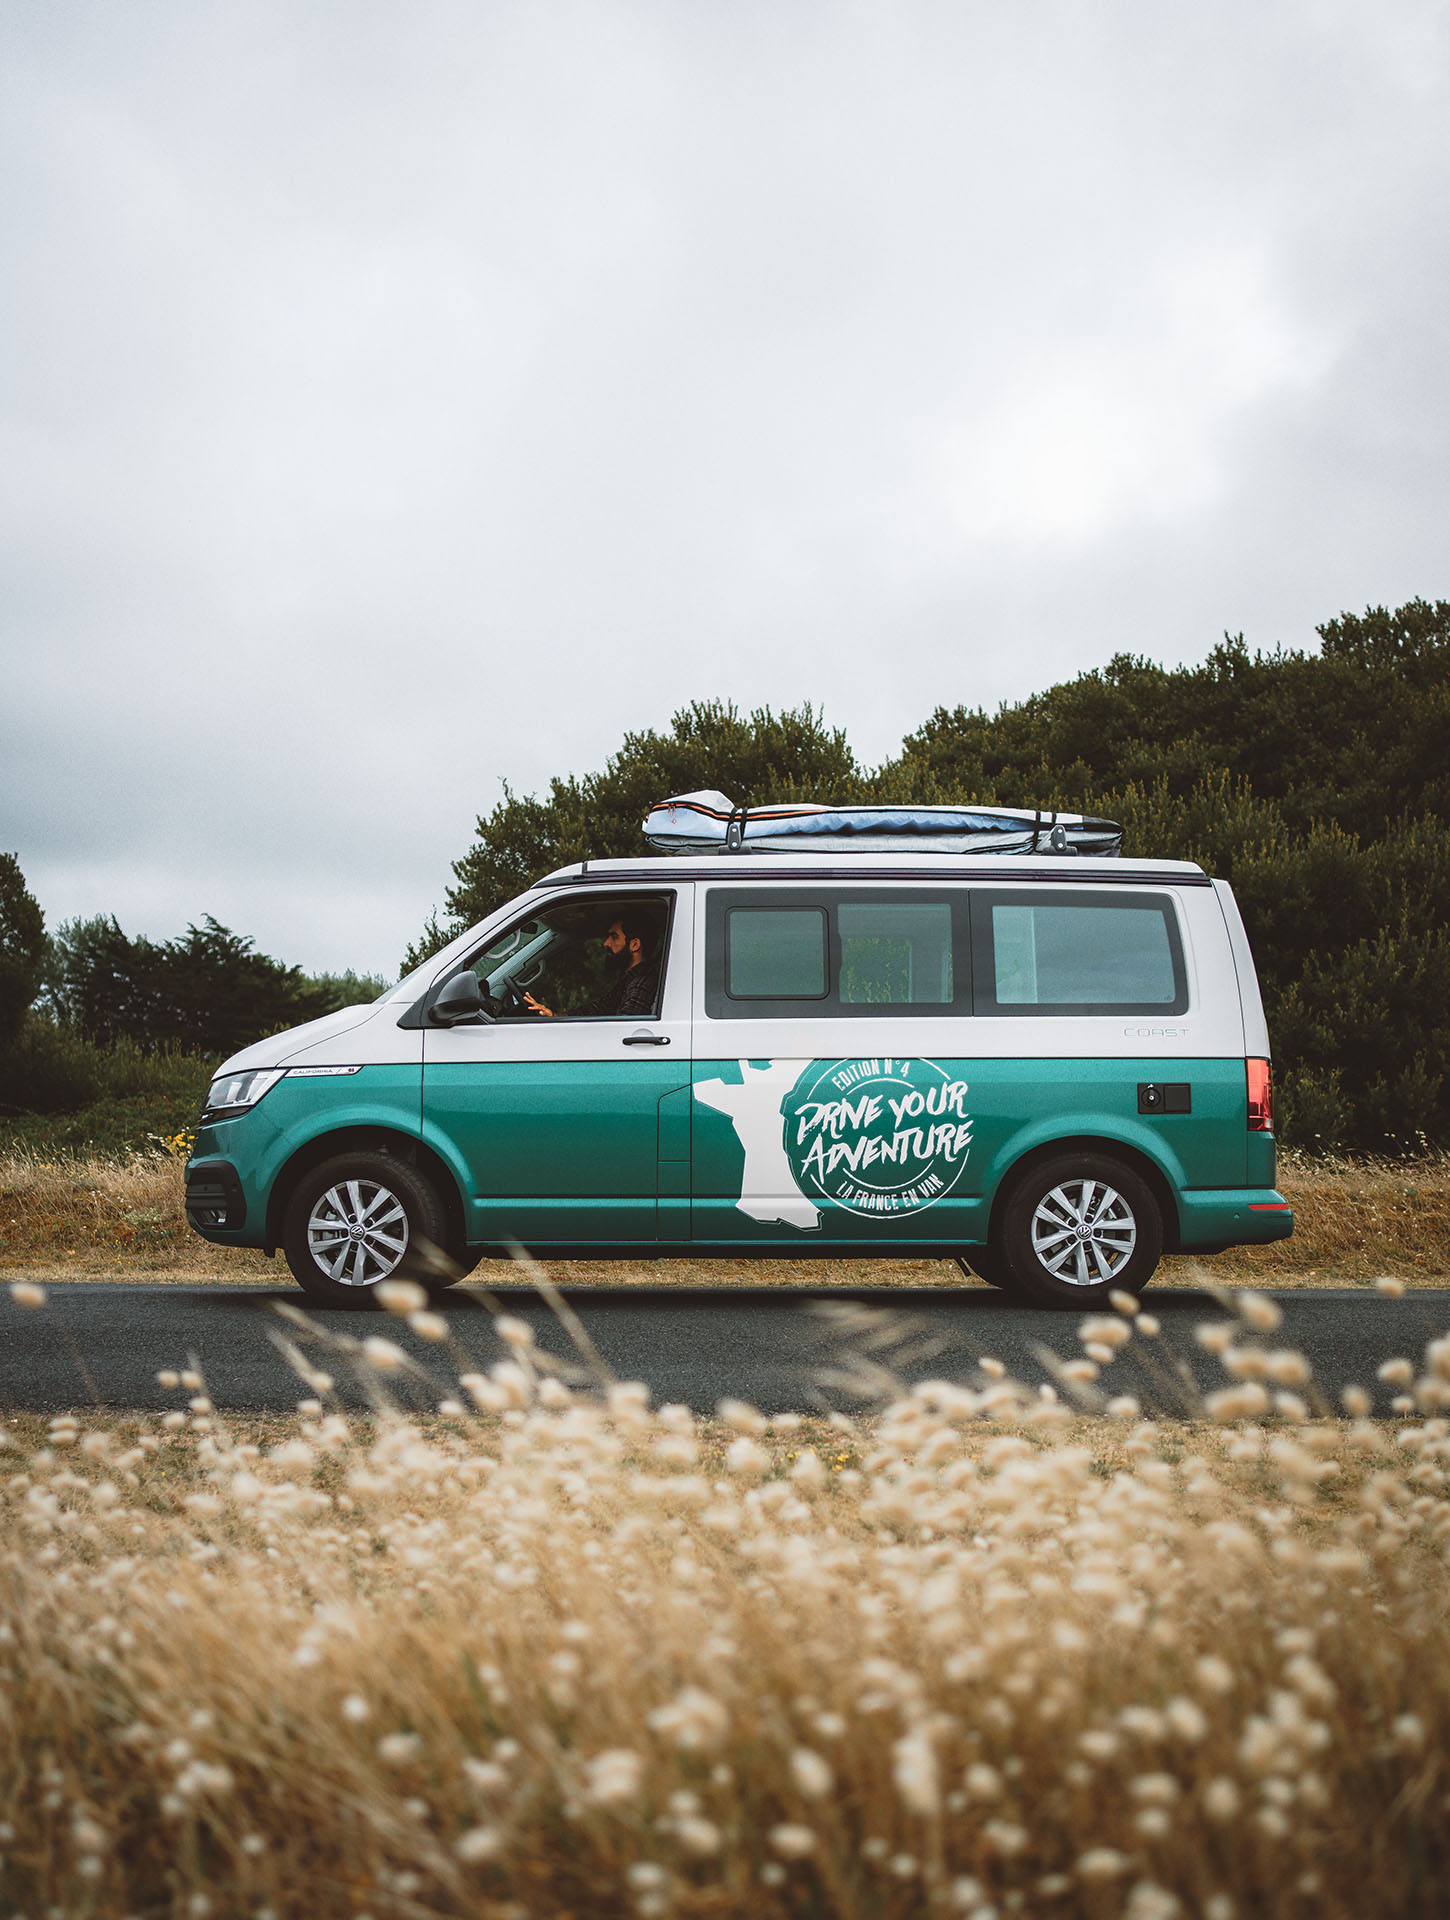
(401,398)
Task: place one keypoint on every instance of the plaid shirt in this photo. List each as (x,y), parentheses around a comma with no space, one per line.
(634,995)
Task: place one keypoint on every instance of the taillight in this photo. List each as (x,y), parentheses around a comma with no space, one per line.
(1261,1096)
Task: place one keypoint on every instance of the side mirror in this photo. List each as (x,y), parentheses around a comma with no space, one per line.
(459,1002)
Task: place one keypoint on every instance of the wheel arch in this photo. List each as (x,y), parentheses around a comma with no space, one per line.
(1142,1164)
(364,1139)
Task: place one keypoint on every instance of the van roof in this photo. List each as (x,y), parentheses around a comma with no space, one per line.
(1034,869)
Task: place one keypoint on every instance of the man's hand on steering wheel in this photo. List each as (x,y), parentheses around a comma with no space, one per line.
(516,1000)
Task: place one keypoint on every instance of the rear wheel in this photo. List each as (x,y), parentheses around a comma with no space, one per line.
(1079,1227)
(358,1220)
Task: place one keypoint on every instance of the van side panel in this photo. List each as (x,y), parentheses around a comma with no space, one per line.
(773,1160)
(853,1127)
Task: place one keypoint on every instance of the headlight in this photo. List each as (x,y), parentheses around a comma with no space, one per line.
(235,1092)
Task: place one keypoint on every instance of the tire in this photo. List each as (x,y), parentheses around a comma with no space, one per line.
(1046,1255)
(401,1220)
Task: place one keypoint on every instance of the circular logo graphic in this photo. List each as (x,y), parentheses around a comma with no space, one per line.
(877,1137)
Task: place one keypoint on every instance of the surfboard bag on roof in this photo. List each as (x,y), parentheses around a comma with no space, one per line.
(710,822)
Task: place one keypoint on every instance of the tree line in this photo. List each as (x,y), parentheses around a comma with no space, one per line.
(1316,782)
(91,1013)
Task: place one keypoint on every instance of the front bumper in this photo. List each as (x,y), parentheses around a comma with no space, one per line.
(216,1205)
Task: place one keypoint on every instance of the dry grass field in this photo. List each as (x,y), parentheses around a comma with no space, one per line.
(554,1652)
(96,1217)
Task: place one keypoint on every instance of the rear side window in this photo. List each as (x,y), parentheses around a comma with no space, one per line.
(836,952)
(1042,952)
(895,954)
(775,953)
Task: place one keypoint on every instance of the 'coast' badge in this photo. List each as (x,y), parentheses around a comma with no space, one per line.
(878,1137)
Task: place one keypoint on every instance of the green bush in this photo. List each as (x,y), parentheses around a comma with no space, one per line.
(60,1090)
(338,990)
(1357,733)
(48,1069)
(138,1123)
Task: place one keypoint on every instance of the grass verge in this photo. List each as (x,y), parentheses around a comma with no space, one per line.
(89,1215)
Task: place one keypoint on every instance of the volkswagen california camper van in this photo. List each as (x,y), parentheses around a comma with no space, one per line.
(1039,1059)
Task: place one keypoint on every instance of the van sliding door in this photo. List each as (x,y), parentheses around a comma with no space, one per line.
(831,1082)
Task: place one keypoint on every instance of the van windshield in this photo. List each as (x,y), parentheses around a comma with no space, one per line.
(413,982)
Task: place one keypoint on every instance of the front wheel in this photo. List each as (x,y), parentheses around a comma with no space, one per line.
(357,1220)
(1079,1227)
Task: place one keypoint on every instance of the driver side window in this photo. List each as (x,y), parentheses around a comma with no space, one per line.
(594,956)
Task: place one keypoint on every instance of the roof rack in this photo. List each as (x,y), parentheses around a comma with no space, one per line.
(707,821)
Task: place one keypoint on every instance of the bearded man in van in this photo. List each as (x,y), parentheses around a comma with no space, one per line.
(627,954)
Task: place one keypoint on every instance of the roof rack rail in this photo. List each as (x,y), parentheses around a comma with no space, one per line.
(708,821)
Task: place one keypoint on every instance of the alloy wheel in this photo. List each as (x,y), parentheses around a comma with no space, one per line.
(357,1232)
(1083,1232)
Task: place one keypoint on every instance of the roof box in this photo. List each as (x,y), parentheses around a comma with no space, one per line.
(706,822)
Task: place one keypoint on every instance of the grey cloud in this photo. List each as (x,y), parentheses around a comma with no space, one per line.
(401,399)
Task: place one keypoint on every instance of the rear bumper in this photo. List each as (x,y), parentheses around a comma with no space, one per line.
(1212,1218)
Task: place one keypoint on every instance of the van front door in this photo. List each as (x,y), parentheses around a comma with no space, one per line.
(551,1114)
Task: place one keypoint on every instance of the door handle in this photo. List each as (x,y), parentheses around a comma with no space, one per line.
(646,1040)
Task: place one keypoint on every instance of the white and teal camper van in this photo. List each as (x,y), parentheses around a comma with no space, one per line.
(938,1032)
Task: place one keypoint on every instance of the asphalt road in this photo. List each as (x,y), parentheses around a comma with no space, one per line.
(791,1349)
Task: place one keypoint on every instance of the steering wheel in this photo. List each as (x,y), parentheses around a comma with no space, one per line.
(515,1000)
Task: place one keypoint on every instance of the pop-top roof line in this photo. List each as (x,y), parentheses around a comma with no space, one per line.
(989,870)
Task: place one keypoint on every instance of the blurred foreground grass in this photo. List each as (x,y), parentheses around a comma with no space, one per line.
(551,1651)
(93,1216)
